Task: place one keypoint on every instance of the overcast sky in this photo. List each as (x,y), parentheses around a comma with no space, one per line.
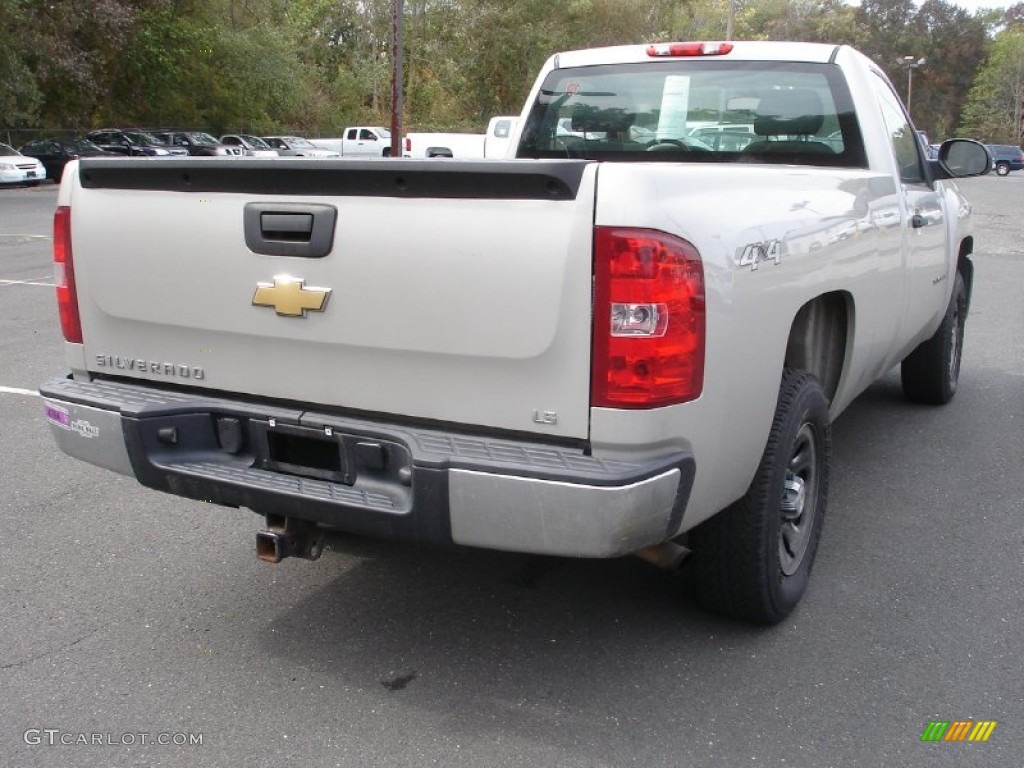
(974,5)
(968,5)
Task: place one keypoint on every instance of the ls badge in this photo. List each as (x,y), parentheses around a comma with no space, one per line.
(289,297)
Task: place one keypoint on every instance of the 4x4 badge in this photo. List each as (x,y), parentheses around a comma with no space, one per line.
(289,296)
(754,253)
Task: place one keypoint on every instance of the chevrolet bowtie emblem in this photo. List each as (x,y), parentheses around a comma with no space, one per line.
(288,296)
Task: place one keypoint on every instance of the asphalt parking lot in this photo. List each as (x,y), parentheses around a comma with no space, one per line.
(132,615)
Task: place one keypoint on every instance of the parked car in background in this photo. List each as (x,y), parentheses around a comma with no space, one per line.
(725,137)
(132,143)
(197,143)
(251,146)
(16,168)
(296,146)
(1006,157)
(54,154)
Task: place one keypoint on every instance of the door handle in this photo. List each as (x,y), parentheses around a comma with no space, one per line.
(925,218)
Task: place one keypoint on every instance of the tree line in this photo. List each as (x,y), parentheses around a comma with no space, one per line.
(314,66)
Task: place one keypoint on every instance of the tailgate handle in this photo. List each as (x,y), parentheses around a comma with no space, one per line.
(294,227)
(290,229)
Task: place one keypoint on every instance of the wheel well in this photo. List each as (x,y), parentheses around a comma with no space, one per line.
(817,339)
(965,266)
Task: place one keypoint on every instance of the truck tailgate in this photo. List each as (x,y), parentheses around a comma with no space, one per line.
(451,291)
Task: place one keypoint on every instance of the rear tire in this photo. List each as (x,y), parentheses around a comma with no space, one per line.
(753,560)
(931,372)
(1003,169)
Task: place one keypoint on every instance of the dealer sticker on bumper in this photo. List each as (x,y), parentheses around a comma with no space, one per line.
(60,416)
(57,415)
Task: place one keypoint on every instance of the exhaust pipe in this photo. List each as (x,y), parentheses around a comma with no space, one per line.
(668,555)
(288,537)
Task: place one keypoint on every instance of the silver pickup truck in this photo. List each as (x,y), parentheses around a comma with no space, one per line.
(632,338)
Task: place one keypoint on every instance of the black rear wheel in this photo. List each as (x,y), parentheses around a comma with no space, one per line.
(753,560)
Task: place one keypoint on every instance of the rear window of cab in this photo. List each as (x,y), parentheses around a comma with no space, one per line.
(696,111)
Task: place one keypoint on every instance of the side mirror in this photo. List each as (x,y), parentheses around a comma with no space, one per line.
(961,158)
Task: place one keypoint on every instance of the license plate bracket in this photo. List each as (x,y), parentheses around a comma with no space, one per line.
(320,454)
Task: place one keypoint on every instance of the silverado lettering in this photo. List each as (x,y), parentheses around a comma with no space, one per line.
(143,366)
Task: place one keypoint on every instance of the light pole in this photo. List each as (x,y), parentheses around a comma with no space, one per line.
(911,64)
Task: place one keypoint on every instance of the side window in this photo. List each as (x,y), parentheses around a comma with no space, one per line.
(905,144)
(351,135)
(367,135)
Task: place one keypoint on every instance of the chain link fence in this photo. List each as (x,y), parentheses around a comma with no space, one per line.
(17,137)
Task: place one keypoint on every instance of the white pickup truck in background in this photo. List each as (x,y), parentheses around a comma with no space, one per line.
(495,143)
(451,145)
(498,139)
(359,141)
(626,341)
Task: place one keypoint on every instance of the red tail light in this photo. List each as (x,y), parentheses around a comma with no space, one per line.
(649,319)
(408,144)
(64,275)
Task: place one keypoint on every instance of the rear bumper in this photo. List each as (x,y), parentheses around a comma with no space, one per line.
(371,477)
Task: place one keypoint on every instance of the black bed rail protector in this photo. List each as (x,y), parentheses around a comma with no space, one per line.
(455,179)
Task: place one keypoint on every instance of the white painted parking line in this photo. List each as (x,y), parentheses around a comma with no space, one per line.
(27,282)
(18,391)
(30,237)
